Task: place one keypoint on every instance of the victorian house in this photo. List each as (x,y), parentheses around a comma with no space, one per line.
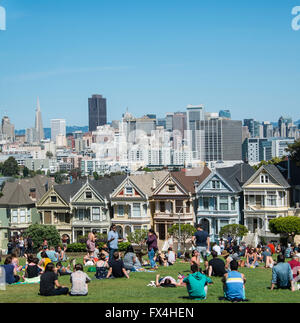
(130,202)
(173,200)
(79,208)
(266,197)
(17,206)
(219,198)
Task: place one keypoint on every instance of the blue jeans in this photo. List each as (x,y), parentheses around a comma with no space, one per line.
(151,255)
(111,253)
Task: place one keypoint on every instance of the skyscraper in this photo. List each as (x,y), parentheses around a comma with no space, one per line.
(38,122)
(195,114)
(58,128)
(97,112)
(8,129)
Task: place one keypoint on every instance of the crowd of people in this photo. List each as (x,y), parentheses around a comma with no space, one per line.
(206,260)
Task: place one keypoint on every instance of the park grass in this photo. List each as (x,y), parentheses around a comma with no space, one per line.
(135,290)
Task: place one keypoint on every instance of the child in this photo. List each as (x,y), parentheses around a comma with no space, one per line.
(79,281)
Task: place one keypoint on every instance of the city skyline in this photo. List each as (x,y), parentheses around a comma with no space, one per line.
(241,57)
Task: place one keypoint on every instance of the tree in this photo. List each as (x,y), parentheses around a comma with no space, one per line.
(233,230)
(49,154)
(10,167)
(96,176)
(25,172)
(294,150)
(186,233)
(288,226)
(138,237)
(273,161)
(58,178)
(39,232)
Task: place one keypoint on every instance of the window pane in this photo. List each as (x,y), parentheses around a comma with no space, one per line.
(136,210)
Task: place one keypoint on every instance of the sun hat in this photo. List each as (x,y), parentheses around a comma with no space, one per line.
(225,253)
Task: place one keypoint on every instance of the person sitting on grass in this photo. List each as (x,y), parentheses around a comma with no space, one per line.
(61,254)
(62,270)
(197,284)
(267,257)
(15,262)
(49,285)
(45,260)
(195,260)
(102,267)
(252,259)
(295,266)
(32,270)
(88,260)
(282,275)
(131,262)
(171,257)
(167,281)
(216,266)
(234,284)
(52,254)
(116,267)
(79,281)
(162,261)
(11,276)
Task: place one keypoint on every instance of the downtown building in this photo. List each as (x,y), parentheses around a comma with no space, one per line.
(97,112)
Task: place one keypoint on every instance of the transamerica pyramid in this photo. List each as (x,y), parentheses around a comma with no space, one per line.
(38,122)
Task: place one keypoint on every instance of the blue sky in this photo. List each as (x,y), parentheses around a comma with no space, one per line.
(152,56)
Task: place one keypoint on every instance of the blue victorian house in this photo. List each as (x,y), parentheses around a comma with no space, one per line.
(219,199)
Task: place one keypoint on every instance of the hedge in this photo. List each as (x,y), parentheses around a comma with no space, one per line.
(81,247)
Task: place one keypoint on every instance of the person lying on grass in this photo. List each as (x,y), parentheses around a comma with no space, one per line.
(197,283)
(168,281)
(116,267)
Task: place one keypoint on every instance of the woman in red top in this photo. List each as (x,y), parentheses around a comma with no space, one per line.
(272,247)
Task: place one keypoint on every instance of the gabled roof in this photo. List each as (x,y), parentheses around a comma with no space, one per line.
(236,175)
(188,178)
(17,193)
(274,172)
(145,182)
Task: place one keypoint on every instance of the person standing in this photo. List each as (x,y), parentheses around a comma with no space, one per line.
(22,246)
(201,241)
(91,243)
(113,240)
(152,247)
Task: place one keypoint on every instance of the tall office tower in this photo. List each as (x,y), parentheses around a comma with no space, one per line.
(8,129)
(226,114)
(253,150)
(195,113)
(180,122)
(220,140)
(58,127)
(267,129)
(97,112)
(254,127)
(145,124)
(38,122)
(169,121)
(283,125)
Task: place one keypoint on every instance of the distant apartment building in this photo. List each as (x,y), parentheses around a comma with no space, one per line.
(97,112)
(7,129)
(254,127)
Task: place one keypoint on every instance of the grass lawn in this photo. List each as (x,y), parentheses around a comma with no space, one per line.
(135,289)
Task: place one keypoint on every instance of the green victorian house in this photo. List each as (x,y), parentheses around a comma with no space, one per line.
(18,206)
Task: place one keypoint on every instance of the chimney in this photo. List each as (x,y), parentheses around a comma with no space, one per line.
(32,193)
(154,184)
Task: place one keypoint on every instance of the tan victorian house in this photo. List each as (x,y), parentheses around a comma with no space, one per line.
(266,197)
(173,200)
(130,202)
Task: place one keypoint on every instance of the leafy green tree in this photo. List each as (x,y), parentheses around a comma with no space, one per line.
(25,172)
(96,176)
(234,230)
(39,232)
(49,154)
(58,178)
(10,167)
(186,233)
(273,161)
(138,237)
(294,150)
(288,226)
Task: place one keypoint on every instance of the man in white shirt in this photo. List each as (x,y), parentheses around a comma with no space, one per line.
(217,249)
